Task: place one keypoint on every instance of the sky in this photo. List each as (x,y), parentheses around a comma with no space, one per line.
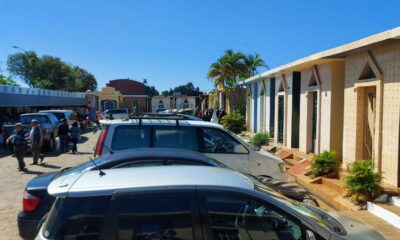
(172,42)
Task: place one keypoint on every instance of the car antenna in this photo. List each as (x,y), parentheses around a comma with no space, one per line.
(101,173)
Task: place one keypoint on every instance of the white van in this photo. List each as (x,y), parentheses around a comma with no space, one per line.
(208,138)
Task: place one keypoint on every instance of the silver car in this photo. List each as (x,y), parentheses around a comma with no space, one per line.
(184,202)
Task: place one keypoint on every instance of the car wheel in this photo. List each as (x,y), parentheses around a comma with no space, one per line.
(50,144)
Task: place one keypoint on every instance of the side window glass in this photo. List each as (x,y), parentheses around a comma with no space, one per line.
(234,216)
(128,137)
(76,218)
(154,217)
(216,141)
(175,137)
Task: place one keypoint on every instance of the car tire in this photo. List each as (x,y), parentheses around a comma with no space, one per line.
(50,145)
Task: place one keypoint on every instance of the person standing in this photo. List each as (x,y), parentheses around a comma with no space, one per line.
(63,130)
(75,132)
(19,140)
(221,115)
(36,136)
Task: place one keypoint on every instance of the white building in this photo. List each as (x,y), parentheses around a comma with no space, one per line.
(169,102)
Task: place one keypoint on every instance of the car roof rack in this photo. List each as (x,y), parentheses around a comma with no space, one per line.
(157,116)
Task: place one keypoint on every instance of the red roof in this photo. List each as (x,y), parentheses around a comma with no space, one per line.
(127,86)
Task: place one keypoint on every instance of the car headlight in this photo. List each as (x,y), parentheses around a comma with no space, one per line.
(282,167)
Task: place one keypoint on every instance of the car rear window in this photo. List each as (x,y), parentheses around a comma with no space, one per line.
(154,217)
(175,137)
(76,218)
(128,137)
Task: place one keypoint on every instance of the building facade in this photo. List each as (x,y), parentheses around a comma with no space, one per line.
(133,93)
(345,99)
(173,102)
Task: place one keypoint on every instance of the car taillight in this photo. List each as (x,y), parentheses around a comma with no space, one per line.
(29,202)
(102,138)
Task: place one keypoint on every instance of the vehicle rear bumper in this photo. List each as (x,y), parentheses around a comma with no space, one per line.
(27,227)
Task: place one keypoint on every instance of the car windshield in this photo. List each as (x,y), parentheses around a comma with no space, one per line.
(59,115)
(28,118)
(245,143)
(318,216)
(81,167)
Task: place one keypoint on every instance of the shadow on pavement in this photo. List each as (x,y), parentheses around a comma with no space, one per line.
(32,172)
(46,165)
(83,139)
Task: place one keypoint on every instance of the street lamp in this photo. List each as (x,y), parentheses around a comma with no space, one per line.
(16,47)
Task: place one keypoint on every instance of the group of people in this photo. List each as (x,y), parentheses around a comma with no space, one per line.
(66,134)
(212,115)
(22,141)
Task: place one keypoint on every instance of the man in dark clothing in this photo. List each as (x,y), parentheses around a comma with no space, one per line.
(19,140)
(63,130)
(36,136)
(221,115)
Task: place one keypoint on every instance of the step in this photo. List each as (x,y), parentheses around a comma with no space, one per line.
(290,161)
(394,201)
(385,211)
(284,154)
(334,184)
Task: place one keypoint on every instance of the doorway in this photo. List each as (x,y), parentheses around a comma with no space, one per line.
(369,122)
(262,111)
(281,117)
(313,98)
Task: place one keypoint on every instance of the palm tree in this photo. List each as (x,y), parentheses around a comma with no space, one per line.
(217,73)
(252,62)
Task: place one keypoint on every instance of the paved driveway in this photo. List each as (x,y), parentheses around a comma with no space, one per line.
(12,182)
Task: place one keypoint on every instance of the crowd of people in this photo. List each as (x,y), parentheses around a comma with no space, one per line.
(23,141)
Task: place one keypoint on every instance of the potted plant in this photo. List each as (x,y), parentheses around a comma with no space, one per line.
(363,182)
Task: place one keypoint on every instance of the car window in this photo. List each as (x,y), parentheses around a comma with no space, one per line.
(154,217)
(76,218)
(127,137)
(28,118)
(217,141)
(235,216)
(59,115)
(117,111)
(175,137)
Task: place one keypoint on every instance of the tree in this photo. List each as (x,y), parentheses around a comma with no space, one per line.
(151,91)
(187,89)
(252,63)
(232,67)
(50,73)
(7,80)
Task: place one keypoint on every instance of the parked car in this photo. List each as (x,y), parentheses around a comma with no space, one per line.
(209,138)
(184,202)
(48,122)
(61,114)
(122,113)
(37,202)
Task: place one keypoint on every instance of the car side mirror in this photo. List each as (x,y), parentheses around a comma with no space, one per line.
(239,148)
(310,235)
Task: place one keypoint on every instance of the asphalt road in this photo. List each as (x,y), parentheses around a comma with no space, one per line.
(12,182)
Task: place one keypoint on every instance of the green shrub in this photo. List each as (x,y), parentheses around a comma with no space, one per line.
(324,163)
(363,183)
(234,122)
(259,139)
